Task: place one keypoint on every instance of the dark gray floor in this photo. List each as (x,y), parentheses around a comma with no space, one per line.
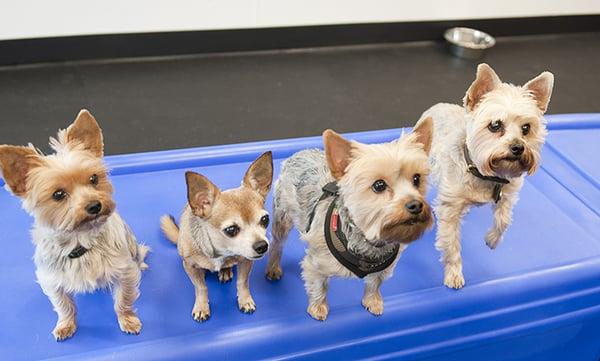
(156,104)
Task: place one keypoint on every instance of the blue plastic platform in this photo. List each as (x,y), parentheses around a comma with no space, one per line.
(536,297)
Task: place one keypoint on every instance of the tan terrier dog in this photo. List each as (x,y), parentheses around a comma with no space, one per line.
(219,230)
(480,154)
(81,242)
(357,206)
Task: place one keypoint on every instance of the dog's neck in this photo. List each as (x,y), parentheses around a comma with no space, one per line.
(357,242)
(201,237)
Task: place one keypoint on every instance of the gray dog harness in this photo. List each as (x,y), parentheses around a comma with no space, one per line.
(338,243)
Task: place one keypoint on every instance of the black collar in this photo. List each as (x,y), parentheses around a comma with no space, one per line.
(338,243)
(78,251)
(471,168)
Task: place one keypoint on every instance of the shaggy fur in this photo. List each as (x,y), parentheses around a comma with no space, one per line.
(373,222)
(487,100)
(114,258)
(202,240)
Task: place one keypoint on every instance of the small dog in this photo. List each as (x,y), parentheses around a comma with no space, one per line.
(81,242)
(219,230)
(480,154)
(378,207)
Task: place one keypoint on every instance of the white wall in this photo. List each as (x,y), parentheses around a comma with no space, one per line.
(44,18)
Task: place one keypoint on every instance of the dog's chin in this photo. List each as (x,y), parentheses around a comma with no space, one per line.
(510,166)
(403,231)
(92,222)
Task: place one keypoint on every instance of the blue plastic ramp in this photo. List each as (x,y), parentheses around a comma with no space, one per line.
(536,297)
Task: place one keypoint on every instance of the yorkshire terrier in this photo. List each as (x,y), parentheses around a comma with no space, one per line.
(357,206)
(81,242)
(221,229)
(481,153)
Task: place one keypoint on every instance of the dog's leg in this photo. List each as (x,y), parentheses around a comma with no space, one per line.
(372,299)
(201,310)
(65,308)
(225,274)
(502,219)
(282,225)
(245,301)
(125,292)
(316,289)
(449,213)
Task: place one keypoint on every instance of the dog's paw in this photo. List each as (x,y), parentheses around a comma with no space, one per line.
(201,313)
(318,311)
(226,275)
(493,238)
(64,330)
(453,277)
(374,304)
(129,323)
(274,273)
(246,304)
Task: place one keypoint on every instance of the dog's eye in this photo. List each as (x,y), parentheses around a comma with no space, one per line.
(59,195)
(495,126)
(94,179)
(525,128)
(379,186)
(417,180)
(232,230)
(264,220)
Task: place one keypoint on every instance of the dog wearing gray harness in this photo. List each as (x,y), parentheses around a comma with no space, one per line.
(357,206)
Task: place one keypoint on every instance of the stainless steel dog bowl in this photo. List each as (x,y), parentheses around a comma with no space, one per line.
(468,43)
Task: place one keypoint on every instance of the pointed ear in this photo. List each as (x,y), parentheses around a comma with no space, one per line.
(202,194)
(485,81)
(259,175)
(338,152)
(424,132)
(15,163)
(86,131)
(541,89)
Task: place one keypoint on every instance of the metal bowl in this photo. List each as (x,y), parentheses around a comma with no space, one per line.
(468,43)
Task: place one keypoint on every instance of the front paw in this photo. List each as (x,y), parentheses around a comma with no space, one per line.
(226,275)
(374,304)
(129,323)
(274,273)
(64,330)
(201,312)
(493,238)
(246,304)
(318,311)
(453,277)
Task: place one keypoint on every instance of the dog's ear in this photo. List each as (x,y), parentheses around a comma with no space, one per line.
(202,194)
(485,81)
(424,132)
(86,131)
(16,163)
(338,152)
(259,175)
(541,89)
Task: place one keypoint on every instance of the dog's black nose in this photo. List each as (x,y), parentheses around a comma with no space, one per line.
(517,149)
(414,207)
(94,207)
(260,247)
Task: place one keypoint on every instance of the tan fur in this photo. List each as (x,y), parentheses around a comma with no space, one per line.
(113,258)
(380,218)
(202,242)
(488,99)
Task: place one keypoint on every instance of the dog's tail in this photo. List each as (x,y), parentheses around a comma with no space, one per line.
(169,228)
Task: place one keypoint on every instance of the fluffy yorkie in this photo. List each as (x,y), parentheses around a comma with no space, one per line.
(81,242)
(357,206)
(481,153)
